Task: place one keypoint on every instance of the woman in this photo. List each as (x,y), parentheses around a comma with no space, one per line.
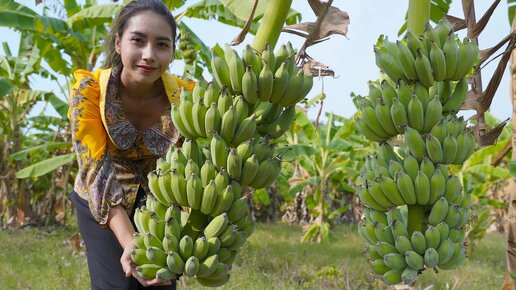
(120,120)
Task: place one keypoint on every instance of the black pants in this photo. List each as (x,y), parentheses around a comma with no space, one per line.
(103,251)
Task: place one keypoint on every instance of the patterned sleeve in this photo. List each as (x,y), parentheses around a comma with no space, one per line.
(95,179)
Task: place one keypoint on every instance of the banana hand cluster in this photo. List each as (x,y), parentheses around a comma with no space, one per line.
(169,244)
(398,257)
(262,76)
(437,55)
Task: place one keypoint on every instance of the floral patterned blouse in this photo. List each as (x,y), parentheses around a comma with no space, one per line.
(114,158)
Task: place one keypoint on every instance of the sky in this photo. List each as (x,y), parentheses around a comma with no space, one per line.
(351,57)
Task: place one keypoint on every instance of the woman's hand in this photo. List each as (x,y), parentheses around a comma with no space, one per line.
(129,268)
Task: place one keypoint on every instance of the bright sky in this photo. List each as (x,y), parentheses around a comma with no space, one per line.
(351,58)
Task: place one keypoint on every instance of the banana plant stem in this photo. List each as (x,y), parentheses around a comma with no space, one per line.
(418,15)
(271,24)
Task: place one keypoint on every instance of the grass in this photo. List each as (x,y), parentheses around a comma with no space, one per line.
(273,258)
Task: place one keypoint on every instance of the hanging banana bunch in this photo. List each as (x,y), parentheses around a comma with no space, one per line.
(425,87)
(197,218)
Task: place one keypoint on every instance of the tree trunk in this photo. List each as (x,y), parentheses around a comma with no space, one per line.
(511,216)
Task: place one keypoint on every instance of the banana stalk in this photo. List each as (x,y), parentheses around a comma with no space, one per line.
(417,17)
(271,24)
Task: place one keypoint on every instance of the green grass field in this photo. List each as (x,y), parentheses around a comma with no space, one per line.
(273,258)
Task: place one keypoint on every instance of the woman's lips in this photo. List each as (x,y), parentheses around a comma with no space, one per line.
(146,69)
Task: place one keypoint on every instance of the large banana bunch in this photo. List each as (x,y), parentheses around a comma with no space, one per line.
(425,87)
(197,217)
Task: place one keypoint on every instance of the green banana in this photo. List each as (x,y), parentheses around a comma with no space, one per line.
(211,95)
(415,143)
(178,122)
(218,149)
(280,82)
(234,164)
(453,217)
(390,190)
(139,256)
(424,70)
(175,263)
(208,266)
(148,271)
(388,64)
(415,114)
(395,261)
(170,243)
(199,118)
(392,277)
(444,231)
(450,50)
(433,114)
(216,226)
(432,237)
(156,256)
(229,124)
(191,266)
(406,187)
(431,258)
(179,188)
(399,116)
(403,244)
(418,243)
(220,70)
(407,61)
(378,266)
(383,114)
(371,120)
(434,149)
(414,260)
(445,251)
(457,98)
(438,62)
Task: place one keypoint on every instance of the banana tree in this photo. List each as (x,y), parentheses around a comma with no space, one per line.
(326,160)
(44,139)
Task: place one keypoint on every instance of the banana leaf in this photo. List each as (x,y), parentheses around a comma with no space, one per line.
(45,166)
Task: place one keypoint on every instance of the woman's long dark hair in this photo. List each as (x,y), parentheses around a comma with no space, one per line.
(119,25)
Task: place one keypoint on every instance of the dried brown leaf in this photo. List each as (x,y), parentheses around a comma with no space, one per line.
(241,36)
(467,6)
(317,6)
(490,137)
(458,23)
(471,102)
(317,69)
(500,155)
(335,21)
(485,54)
(75,241)
(486,97)
(475,31)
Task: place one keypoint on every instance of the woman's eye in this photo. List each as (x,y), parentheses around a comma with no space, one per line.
(163,44)
(137,40)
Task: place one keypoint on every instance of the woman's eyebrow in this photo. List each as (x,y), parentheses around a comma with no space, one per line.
(137,33)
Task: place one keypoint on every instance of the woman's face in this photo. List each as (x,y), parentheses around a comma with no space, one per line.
(145,48)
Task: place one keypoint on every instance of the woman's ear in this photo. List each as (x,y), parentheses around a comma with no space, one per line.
(117,43)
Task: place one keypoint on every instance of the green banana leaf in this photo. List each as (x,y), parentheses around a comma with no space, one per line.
(23,154)
(260,196)
(59,105)
(512,168)
(5,87)
(45,166)
(511,5)
(242,8)
(93,16)
(71,7)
